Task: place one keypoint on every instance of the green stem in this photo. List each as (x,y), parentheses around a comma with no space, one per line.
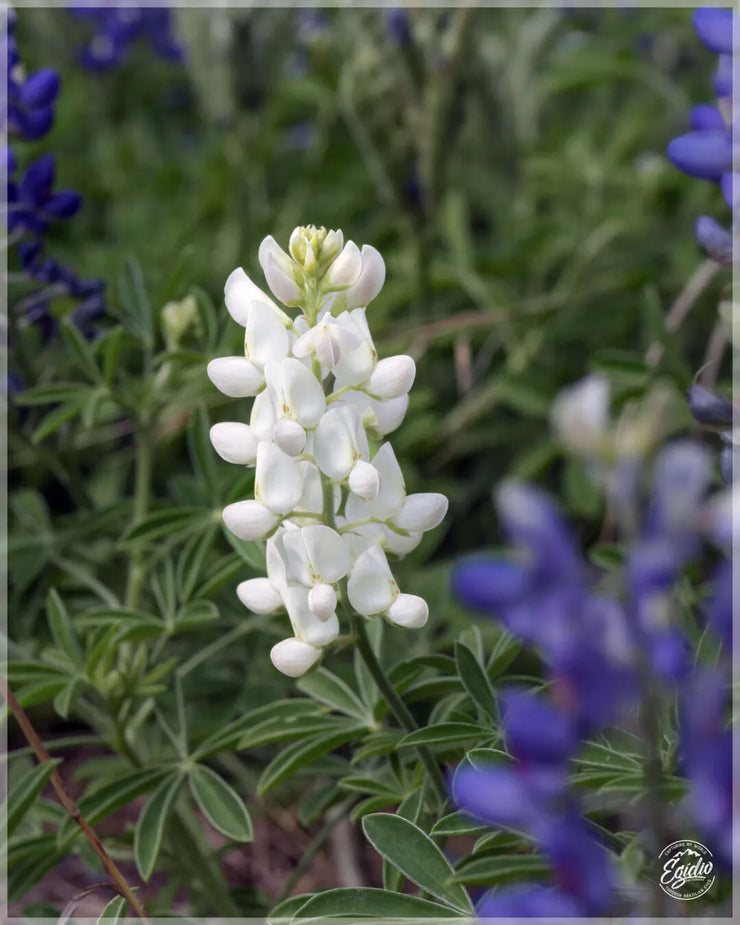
(141,505)
(394,701)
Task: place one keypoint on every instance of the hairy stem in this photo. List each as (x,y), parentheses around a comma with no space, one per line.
(395,703)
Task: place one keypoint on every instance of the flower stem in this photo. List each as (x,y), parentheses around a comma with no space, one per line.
(394,701)
(141,505)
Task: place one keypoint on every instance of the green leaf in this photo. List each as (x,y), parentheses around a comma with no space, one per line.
(277,714)
(165,523)
(61,628)
(362,902)
(110,348)
(371,805)
(52,394)
(457,823)
(196,613)
(151,824)
(499,869)
(382,742)
(114,912)
(134,309)
(81,350)
(56,419)
(220,574)
(190,563)
(220,804)
(327,688)
(410,808)
(476,683)
(304,752)
(207,315)
(21,797)
(443,734)
(502,655)
(416,856)
(202,454)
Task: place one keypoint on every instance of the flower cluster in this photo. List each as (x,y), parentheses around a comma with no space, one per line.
(33,203)
(707,151)
(716,413)
(600,650)
(117,28)
(330,511)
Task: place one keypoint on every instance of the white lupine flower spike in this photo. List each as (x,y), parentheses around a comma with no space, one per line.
(319,391)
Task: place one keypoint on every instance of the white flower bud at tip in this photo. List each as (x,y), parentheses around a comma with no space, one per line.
(259,595)
(364,480)
(235,376)
(249,520)
(289,436)
(234,442)
(322,601)
(423,511)
(392,377)
(293,657)
(408,610)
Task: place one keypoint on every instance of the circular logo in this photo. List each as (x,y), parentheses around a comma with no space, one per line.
(687,869)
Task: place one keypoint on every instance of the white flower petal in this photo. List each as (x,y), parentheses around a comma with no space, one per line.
(275,561)
(293,657)
(249,520)
(266,337)
(322,601)
(397,544)
(269,248)
(422,511)
(346,268)
(259,595)
(392,377)
(303,392)
(326,552)
(334,443)
(240,292)
(392,491)
(388,415)
(283,286)
(235,376)
(307,625)
(357,354)
(370,281)
(262,419)
(234,442)
(364,480)
(278,481)
(289,436)
(409,610)
(371,587)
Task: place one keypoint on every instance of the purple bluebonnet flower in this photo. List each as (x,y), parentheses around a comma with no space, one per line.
(398,25)
(706,744)
(707,151)
(117,28)
(33,204)
(715,413)
(30,110)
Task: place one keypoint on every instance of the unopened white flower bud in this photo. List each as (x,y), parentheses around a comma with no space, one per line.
(364,480)
(322,601)
(235,376)
(249,520)
(259,595)
(423,511)
(293,657)
(346,268)
(289,436)
(409,610)
(282,285)
(234,442)
(392,377)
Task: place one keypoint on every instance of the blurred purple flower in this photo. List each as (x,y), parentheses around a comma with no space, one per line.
(705,154)
(33,204)
(714,28)
(117,28)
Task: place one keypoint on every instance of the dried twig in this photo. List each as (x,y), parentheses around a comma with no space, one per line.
(69,804)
